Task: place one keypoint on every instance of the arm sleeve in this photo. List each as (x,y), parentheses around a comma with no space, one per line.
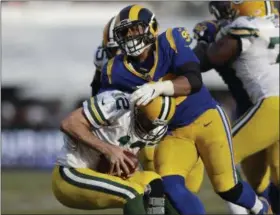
(201,52)
(96,82)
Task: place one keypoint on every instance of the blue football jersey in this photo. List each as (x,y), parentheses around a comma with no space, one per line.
(172,50)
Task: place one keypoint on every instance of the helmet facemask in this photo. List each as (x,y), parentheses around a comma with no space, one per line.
(133,37)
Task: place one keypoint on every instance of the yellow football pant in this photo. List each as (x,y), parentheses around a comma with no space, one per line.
(209,137)
(84,188)
(193,180)
(256,143)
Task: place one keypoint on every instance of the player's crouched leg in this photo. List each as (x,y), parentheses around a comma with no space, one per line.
(84,188)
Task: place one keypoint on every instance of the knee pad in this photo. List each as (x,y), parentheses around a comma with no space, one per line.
(154,197)
(155,188)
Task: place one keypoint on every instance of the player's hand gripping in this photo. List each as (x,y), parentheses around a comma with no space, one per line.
(147,92)
(206,31)
(119,161)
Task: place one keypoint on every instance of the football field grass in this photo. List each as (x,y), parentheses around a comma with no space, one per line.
(29,192)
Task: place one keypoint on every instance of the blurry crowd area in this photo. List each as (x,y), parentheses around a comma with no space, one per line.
(19,113)
(35,114)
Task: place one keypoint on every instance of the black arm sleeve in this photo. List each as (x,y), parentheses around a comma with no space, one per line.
(201,52)
(191,71)
(96,83)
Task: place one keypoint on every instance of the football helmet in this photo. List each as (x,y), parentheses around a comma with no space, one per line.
(109,44)
(222,10)
(151,120)
(254,8)
(231,9)
(136,29)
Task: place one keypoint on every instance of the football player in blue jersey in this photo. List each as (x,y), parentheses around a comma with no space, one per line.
(164,64)
(107,51)
(205,32)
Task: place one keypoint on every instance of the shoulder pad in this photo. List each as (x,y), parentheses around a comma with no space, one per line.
(104,108)
(174,35)
(115,103)
(100,57)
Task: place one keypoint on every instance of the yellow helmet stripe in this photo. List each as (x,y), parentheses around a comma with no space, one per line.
(134,12)
(165,108)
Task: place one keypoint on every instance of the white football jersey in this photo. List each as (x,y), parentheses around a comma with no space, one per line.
(111,117)
(258,64)
(100,57)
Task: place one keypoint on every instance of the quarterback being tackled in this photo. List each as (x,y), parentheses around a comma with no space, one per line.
(109,127)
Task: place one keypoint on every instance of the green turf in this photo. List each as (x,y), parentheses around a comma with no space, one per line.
(29,192)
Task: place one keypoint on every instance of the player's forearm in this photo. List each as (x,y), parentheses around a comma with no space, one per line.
(182,86)
(78,128)
(189,79)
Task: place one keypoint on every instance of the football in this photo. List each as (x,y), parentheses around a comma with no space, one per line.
(104,164)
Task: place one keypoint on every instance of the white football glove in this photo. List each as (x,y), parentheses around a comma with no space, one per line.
(147,92)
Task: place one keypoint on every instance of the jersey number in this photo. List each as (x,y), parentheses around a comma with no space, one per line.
(185,34)
(99,55)
(122,103)
(273,42)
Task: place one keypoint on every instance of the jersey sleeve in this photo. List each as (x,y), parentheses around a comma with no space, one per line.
(180,42)
(243,27)
(99,58)
(102,110)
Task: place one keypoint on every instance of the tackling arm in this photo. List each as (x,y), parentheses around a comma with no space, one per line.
(224,51)
(201,52)
(186,65)
(188,80)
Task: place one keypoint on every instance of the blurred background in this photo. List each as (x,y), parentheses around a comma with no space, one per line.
(47,68)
